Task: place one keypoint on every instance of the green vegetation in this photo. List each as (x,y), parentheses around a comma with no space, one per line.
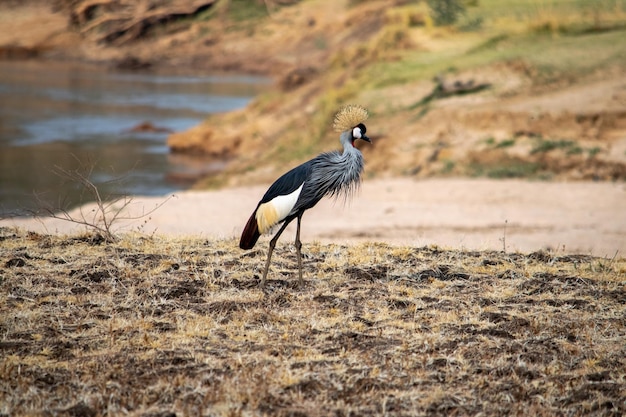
(507,143)
(505,168)
(241,10)
(594,151)
(489,44)
(547,58)
(243,15)
(446,12)
(531,157)
(543,145)
(448,166)
(570,147)
(512,31)
(555,15)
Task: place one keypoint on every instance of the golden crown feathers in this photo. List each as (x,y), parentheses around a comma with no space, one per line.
(349,116)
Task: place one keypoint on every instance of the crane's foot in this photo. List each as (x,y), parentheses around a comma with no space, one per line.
(285,283)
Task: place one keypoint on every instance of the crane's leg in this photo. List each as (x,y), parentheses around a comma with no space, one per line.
(298,250)
(270,250)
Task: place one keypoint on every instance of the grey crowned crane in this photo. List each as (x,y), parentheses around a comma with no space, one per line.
(329,174)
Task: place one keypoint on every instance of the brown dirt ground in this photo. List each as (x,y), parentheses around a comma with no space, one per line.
(156,327)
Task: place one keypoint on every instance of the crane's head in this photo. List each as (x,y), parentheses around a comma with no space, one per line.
(358,132)
(350,120)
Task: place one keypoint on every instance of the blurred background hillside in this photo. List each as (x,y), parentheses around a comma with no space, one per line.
(482,88)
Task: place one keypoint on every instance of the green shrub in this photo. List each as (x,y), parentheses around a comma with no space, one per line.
(446,12)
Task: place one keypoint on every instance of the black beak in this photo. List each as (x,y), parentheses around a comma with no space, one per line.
(366,139)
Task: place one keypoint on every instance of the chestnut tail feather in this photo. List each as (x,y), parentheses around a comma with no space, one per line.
(250,233)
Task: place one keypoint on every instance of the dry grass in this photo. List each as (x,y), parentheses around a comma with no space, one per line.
(156,326)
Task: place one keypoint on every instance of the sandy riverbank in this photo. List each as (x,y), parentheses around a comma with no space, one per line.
(570,217)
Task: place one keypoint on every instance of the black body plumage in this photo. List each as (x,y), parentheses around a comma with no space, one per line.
(288,182)
(328,174)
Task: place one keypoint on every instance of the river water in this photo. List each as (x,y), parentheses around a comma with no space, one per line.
(71,117)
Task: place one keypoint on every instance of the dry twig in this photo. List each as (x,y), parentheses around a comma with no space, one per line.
(108,211)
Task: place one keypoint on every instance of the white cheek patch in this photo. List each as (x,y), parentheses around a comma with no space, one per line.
(356,133)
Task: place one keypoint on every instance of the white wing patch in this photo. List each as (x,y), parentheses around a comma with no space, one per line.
(274,211)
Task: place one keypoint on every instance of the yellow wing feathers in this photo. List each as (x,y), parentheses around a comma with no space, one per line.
(266,217)
(271,213)
(349,116)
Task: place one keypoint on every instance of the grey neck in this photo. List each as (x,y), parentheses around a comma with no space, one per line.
(346,141)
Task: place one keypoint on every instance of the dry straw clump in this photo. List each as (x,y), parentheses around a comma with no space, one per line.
(158,326)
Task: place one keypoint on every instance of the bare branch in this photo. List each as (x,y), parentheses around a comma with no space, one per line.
(107,212)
